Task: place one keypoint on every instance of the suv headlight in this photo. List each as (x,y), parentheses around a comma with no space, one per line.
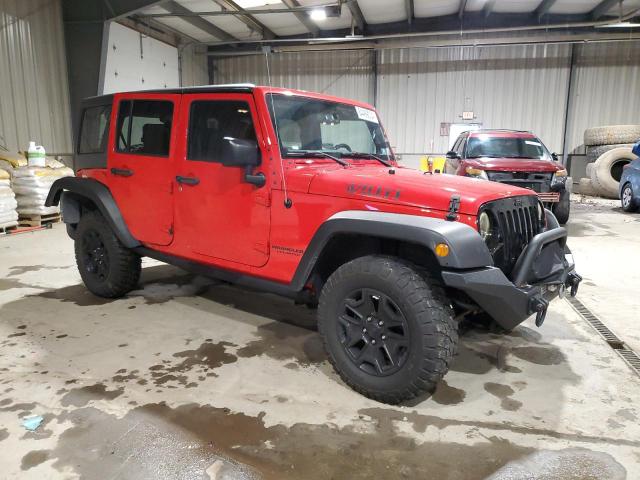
(559,177)
(476,173)
(484,225)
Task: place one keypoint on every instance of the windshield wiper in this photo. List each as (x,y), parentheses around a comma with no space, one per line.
(368,155)
(315,153)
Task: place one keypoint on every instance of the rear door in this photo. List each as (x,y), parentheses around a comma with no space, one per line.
(218,214)
(140,165)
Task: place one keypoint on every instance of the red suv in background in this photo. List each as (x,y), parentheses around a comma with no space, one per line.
(515,158)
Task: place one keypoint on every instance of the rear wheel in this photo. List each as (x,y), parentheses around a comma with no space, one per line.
(387,327)
(629,203)
(107,267)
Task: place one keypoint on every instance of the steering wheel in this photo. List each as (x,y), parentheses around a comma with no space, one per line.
(342,145)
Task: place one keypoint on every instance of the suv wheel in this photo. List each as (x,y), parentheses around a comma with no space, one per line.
(562,209)
(387,327)
(627,199)
(107,267)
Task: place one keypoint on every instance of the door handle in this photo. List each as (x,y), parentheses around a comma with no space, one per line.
(188,180)
(123,172)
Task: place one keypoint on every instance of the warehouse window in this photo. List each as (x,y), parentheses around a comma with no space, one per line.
(211,121)
(94,130)
(144,127)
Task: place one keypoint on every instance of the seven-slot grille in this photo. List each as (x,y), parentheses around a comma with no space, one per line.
(515,222)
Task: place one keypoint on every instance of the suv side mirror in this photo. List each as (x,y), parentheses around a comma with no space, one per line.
(554,155)
(452,155)
(238,152)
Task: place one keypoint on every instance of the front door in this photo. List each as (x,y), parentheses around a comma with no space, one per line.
(140,165)
(218,214)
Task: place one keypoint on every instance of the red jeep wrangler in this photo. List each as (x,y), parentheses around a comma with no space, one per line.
(299,194)
(516,158)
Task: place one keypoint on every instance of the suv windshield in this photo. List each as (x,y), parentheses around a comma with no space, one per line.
(507,147)
(306,125)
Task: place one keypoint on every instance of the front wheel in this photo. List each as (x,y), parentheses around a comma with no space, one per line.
(627,199)
(387,327)
(107,267)
(562,209)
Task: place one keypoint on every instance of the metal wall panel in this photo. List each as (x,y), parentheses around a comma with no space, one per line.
(516,87)
(342,73)
(193,65)
(606,88)
(34,93)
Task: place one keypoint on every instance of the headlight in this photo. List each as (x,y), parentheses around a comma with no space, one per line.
(559,177)
(484,225)
(476,173)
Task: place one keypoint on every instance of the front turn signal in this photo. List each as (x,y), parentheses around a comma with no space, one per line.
(442,249)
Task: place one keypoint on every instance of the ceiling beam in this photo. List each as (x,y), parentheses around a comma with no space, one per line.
(302,17)
(198,22)
(543,8)
(246,18)
(488,8)
(408,7)
(602,8)
(463,6)
(357,15)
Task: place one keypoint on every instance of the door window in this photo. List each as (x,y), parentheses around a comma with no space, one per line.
(144,127)
(211,121)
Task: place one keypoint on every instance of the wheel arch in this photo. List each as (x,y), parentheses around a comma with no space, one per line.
(352,234)
(78,194)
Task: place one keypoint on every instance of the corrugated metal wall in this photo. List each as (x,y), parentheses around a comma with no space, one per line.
(193,66)
(606,87)
(34,103)
(519,87)
(345,73)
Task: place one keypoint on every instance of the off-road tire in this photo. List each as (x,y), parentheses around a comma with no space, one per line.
(606,171)
(632,206)
(595,152)
(107,267)
(432,333)
(611,135)
(562,209)
(585,187)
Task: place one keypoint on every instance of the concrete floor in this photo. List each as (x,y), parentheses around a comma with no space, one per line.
(189,379)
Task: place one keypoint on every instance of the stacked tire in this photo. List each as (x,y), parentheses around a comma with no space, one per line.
(608,151)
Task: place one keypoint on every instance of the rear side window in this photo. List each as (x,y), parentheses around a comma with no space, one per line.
(144,127)
(210,121)
(94,129)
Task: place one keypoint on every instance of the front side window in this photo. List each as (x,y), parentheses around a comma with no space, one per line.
(94,129)
(211,121)
(144,127)
(308,125)
(506,147)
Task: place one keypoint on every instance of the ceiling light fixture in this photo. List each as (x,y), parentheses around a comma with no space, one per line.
(318,14)
(621,25)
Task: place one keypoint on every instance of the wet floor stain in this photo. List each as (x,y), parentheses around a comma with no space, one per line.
(4,434)
(282,341)
(79,397)
(18,270)
(539,355)
(34,458)
(76,294)
(445,394)
(192,437)
(166,289)
(503,392)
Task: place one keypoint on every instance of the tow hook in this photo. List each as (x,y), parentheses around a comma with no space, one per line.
(539,306)
(573,281)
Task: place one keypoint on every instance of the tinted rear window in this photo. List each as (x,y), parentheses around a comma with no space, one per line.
(94,130)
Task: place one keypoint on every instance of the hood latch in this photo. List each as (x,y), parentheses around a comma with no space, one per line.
(454,206)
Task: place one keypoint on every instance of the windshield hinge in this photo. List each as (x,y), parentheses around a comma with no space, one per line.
(454,206)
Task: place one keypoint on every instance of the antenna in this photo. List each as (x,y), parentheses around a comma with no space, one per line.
(287,200)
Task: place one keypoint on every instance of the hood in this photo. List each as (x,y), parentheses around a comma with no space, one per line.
(406,186)
(514,164)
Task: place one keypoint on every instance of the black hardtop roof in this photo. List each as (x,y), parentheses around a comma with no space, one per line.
(230,88)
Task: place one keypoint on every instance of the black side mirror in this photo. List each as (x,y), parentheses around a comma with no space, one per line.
(452,155)
(554,155)
(238,152)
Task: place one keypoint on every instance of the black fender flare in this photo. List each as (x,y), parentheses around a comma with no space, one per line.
(69,191)
(466,247)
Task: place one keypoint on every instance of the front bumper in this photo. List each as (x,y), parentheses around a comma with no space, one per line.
(544,270)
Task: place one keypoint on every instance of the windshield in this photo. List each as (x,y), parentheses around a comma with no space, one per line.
(306,125)
(506,147)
